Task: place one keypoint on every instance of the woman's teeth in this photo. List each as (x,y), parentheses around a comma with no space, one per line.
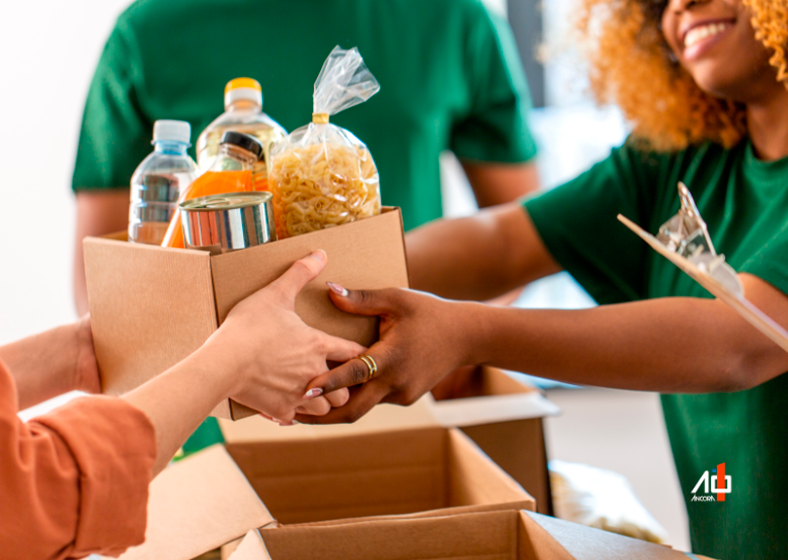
(697,34)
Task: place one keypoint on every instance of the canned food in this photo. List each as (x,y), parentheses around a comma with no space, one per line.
(221,223)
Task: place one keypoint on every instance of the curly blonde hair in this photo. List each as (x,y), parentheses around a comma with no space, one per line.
(632,66)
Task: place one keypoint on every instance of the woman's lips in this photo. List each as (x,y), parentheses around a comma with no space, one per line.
(700,37)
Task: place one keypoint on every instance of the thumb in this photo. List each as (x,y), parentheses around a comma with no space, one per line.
(363,302)
(299,275)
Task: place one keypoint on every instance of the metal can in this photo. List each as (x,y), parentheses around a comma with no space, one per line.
(221,223)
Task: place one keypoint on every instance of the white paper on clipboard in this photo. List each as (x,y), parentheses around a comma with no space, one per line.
(738,302)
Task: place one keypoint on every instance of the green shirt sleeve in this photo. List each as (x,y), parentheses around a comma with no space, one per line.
(578,225)
(115,135)
(496,127)
(769,262)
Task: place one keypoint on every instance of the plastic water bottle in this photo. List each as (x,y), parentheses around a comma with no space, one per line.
(159,180)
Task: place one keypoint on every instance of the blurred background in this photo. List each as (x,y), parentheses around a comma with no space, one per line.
(50,49)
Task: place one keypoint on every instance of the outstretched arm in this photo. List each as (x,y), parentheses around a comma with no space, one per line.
(99,212)
(479,257)
(671,345)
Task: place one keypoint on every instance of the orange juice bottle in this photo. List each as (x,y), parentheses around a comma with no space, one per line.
(231,171)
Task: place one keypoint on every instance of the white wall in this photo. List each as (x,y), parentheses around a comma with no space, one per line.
(50,48)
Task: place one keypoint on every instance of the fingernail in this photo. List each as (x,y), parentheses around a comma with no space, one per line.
(320,256)
(313,393)
(277,420)
(337,289)
(286,423)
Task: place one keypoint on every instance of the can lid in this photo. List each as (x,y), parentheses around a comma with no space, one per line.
(227,201)
(245,141)
(173,131)
(247,89)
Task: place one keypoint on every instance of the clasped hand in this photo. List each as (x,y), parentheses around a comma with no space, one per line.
(422,339)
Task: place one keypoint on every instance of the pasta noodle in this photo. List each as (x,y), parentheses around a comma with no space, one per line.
(322,185)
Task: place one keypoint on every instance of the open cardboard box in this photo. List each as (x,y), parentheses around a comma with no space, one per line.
(151,307)
(501,414)
(500,535)
(217,495)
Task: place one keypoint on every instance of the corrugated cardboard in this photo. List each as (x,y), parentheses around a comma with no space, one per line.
(501,535)
(503,416)
(208,499)
(152,306)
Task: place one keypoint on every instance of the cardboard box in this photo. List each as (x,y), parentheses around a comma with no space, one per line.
(151,306)
(501,535)
(210,499)
(503,416)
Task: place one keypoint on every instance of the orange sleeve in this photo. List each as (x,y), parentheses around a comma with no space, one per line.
(73,482)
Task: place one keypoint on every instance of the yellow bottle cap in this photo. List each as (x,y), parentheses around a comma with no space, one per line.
(238,83)
(243,89)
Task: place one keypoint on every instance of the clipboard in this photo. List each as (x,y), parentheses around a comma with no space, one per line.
(723,290)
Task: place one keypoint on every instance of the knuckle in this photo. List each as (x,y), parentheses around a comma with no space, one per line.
(304,266)
(353,416)
(363,296)
(358,372)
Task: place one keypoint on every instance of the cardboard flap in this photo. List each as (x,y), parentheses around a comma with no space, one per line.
(366,254)
(341,477)
(251,548)
(482,536)
(486,395)
(163,325)
(197,505)
(382,418)
(475,479)
(586,543)
(486,410)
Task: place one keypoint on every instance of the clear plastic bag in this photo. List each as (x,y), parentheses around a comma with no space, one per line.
(322,175)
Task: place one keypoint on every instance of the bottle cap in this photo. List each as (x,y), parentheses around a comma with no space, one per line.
(173,131)
(245,141)
(243,89)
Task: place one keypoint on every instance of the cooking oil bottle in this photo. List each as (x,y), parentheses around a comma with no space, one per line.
(243,112)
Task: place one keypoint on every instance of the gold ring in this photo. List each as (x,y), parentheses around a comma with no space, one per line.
(372,366)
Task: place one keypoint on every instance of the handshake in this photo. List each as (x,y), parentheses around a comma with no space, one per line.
(272,355)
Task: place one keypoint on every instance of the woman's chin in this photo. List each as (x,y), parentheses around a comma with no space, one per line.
(721,83)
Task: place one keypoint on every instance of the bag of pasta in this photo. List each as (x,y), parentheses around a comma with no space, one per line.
(322,175)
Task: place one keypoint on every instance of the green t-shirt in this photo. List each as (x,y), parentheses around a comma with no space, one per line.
(743,200)
(449,73)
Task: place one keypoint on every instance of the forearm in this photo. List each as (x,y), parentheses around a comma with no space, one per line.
(99,211)
(177,401)
(670,345)
(44,365)
(477,258)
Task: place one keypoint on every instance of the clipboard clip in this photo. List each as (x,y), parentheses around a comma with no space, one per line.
(687,235)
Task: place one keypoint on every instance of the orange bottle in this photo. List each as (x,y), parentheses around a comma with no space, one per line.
(231,171)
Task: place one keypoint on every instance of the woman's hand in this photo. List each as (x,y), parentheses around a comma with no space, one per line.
(422,339)
(273,354)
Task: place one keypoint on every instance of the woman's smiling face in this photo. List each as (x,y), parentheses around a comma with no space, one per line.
(715,42)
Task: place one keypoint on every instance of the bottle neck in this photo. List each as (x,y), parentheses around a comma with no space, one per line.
(243,105)
(170,147)
(233,158)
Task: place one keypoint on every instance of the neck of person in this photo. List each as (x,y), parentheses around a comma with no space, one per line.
(767,122)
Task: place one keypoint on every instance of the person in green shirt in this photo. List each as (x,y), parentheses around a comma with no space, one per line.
(449,72)
(704,84)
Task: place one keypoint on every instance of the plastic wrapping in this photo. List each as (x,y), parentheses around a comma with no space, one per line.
(321,175)
(602,499)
